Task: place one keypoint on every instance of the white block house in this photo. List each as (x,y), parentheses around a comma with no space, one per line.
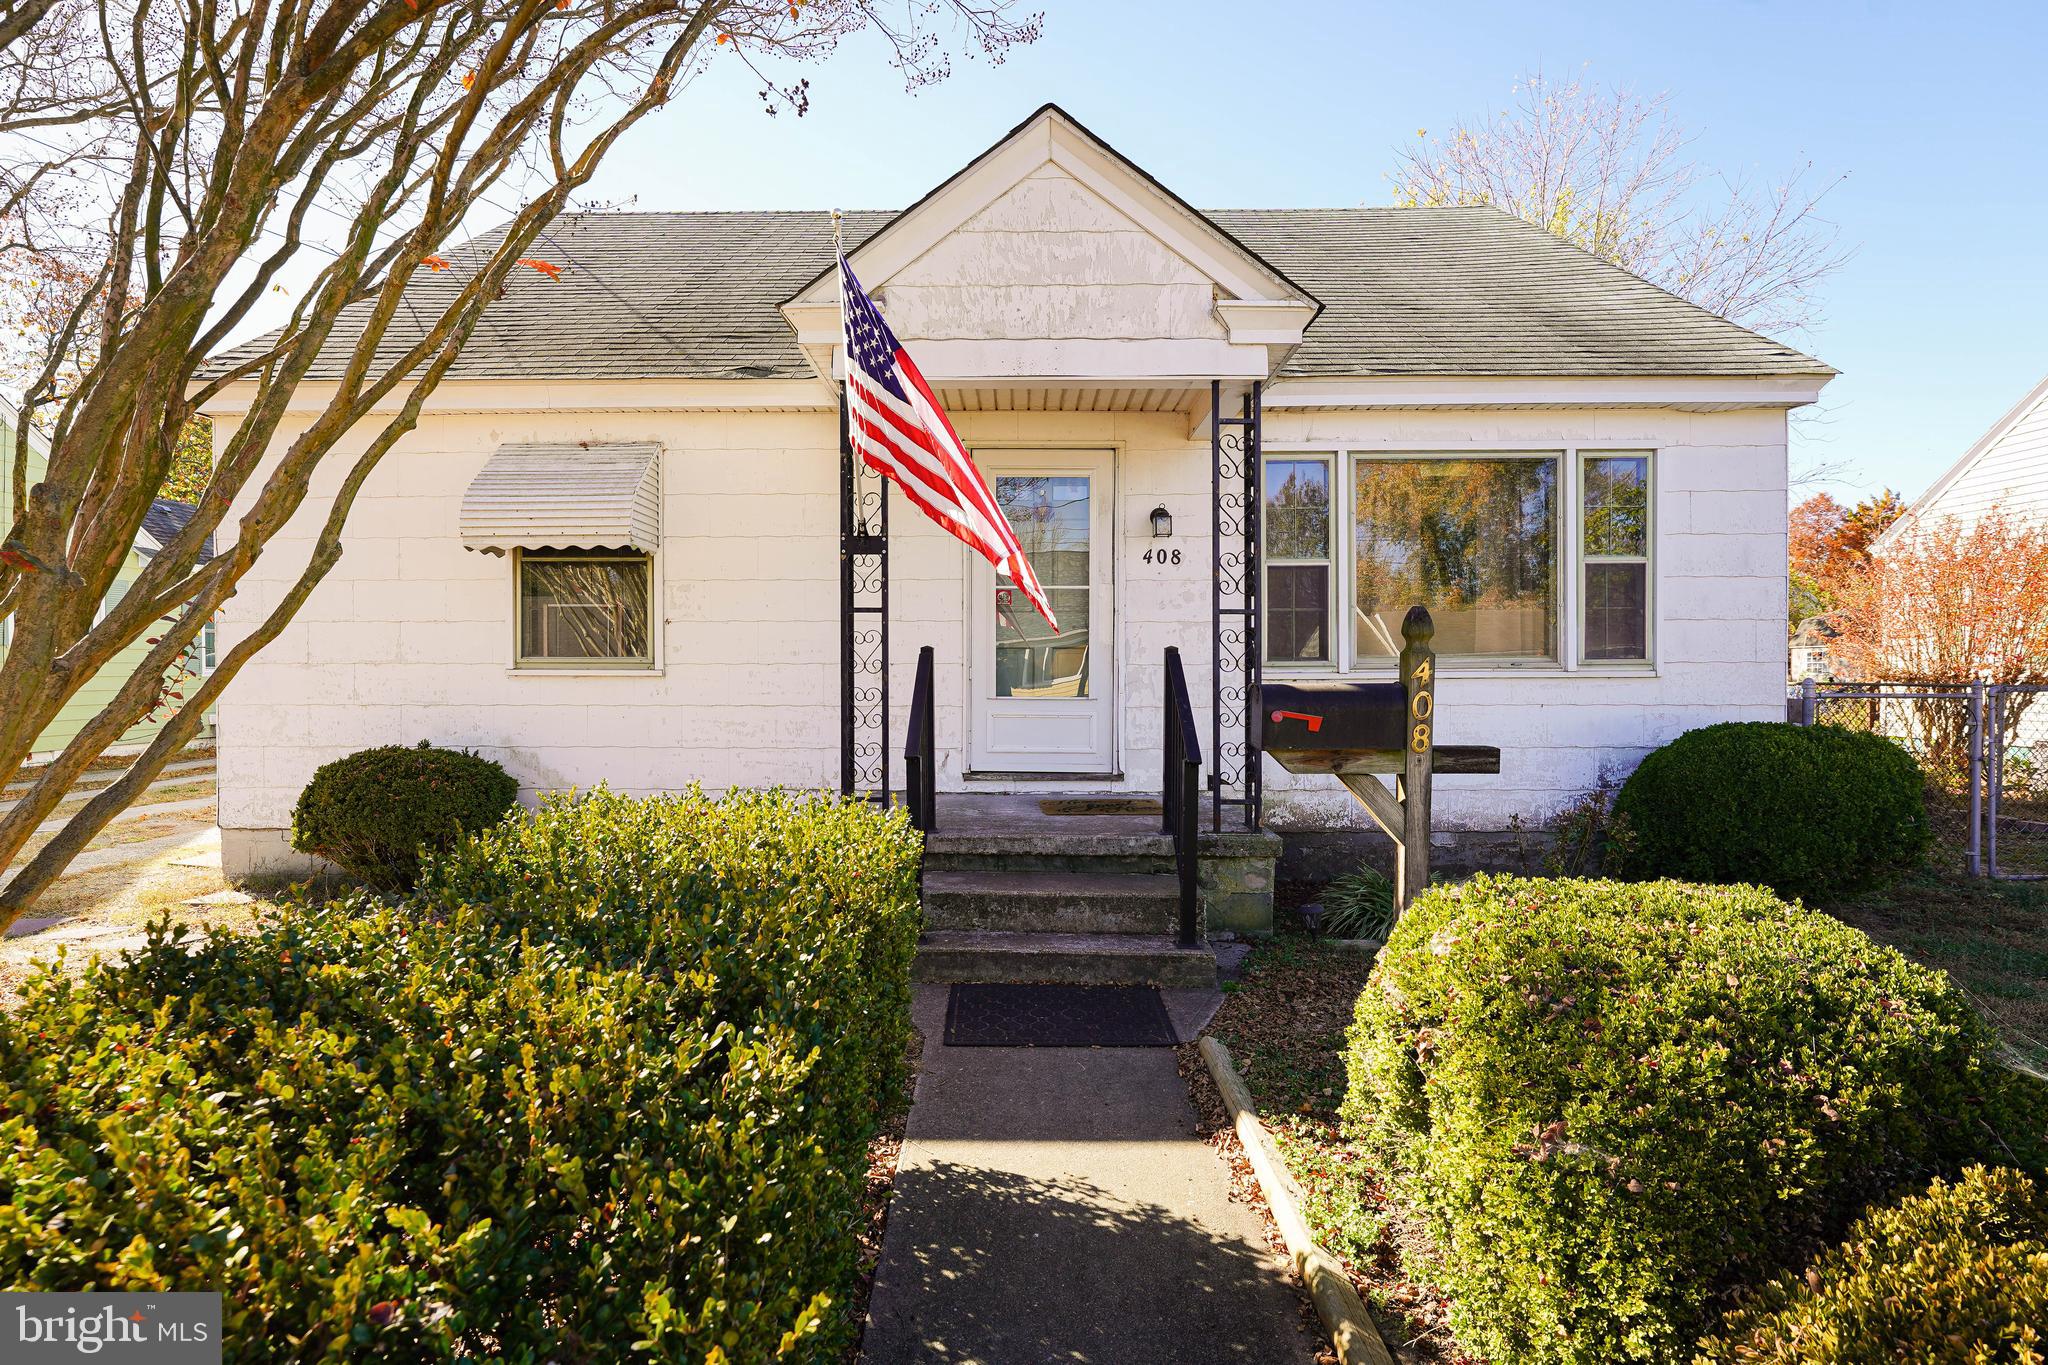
(612,551)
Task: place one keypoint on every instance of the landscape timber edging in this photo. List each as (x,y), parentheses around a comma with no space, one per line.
(1337,1303)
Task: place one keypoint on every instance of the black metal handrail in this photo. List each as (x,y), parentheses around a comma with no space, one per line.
(1180,796)
(920,761)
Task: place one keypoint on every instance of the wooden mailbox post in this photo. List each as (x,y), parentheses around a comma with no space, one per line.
(1358,732)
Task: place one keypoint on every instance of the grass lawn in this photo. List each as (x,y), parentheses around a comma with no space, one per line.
(1284,1024)
(1991,937)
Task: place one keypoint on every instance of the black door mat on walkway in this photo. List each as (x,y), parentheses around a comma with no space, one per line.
(991,1015)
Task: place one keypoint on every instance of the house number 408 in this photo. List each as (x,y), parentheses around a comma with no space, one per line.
(1162,557)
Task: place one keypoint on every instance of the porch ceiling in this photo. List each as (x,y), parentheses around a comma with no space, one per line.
(1074,398)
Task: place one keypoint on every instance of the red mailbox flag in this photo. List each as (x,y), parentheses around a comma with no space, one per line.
(900,432)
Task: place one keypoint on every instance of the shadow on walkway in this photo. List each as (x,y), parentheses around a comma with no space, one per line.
(999,1268)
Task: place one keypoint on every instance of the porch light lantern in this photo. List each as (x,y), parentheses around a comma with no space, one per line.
(1162,523)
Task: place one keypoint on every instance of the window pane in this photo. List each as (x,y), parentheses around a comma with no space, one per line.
(1617,505)
(1031,661)
(1297,509)
(1617,611)
(1050,517)
(1298,613)
(1050,514)
(583,607)
(1472,540)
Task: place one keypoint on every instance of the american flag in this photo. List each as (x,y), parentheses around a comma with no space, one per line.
(899,431)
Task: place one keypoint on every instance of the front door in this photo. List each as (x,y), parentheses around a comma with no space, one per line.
(1042,702)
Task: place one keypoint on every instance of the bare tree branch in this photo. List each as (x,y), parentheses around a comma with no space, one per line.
(1610,171)
(191,141)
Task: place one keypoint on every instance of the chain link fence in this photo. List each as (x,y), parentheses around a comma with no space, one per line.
(1983,747)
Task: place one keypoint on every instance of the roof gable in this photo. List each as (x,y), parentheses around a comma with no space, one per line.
(1053,139)
(1052,256)
(2031,414)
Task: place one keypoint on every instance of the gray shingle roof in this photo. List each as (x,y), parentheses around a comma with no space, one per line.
(1473,291)
(1425,291)
(165,518)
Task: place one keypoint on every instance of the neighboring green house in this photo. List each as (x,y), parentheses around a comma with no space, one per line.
(163,521)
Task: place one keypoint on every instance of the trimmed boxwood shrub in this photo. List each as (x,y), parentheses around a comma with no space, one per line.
(1806,810)
(1957,1276)
(1614,1102)
(373,812)
(613,1108)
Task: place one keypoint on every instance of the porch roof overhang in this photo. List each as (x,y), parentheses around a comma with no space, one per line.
(1255,339)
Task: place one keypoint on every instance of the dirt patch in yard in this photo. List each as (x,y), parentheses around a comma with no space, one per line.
(86,915)
(161,794)
(1284,1024)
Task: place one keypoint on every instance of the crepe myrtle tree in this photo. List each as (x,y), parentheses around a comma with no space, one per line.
(225,147)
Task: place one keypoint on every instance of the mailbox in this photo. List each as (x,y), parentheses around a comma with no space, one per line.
(1350,727)
(1354,730)
(1302,716)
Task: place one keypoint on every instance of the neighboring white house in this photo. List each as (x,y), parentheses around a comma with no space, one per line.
(612,549)
(1810,646)
(2007,468)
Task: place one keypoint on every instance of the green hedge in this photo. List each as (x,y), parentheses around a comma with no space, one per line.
(1957,1276)
(374,812)
(1807,810)
(601,1093)
(1613,1101)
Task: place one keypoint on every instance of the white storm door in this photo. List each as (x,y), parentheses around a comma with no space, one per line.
(1041,702)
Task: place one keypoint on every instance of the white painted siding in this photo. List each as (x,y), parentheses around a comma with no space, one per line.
(410,637)
(1719,575)
(2009,470)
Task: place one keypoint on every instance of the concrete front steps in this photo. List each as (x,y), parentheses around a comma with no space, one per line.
(1094,909)
(1077,959)
(1017,892)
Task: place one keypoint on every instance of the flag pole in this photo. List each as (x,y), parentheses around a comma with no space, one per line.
(839,277)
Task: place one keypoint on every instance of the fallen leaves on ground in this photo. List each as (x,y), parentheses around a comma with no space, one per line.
(885,1149)
(1284,1025)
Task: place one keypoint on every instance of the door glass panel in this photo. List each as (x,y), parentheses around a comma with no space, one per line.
(1050,514)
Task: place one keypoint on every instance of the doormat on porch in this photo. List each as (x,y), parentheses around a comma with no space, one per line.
(1101,805)
(991,1015)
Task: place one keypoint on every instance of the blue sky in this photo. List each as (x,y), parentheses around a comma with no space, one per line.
(1935,114)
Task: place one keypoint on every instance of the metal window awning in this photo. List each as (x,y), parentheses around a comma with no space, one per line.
(566,496)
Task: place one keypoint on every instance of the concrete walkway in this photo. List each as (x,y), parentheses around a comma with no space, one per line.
(1056,1205)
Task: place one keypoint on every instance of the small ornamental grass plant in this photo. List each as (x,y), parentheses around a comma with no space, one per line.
(601,1091)
(1955,1276)
(1359,904)
(1615,1102)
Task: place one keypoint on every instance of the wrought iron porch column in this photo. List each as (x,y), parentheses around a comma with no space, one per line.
(863,624)
(1234,604)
